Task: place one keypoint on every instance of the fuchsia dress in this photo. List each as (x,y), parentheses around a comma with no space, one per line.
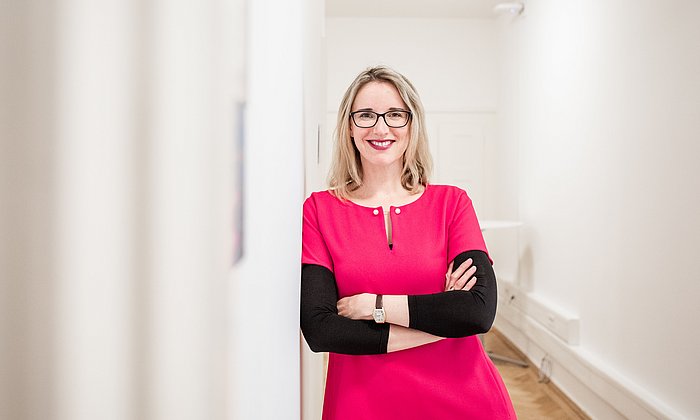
(449,379)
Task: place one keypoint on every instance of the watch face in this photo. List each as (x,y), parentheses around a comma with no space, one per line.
(379,315)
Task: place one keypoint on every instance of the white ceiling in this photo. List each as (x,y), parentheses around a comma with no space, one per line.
(412,8)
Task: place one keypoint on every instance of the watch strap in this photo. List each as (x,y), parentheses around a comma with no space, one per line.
(378,303)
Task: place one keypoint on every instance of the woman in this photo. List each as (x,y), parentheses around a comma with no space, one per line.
(378,287)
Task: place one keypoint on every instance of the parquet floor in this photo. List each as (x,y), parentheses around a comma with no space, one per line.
(531,398)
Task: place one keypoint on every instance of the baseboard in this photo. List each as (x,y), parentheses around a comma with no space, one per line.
(597,389)
(557,320)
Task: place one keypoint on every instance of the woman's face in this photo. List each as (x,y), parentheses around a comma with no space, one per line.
(381,145)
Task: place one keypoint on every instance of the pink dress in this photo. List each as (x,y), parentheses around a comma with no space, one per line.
(449,379)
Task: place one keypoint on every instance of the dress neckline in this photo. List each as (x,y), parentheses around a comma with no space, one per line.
(419,198)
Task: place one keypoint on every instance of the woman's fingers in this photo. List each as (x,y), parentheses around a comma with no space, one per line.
(342,307)
(447,275)
(453,276)
(469,284)
(464,278)
(462,268)
(356,306)
(457,274)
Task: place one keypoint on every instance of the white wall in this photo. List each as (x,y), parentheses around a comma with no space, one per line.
(27,198)
(312,364)
(452,62)
(314,91)
(265,292)
(117,165)
(601,100)
(115,169)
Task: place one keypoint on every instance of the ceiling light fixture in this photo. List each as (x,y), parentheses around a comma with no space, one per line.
(513,8)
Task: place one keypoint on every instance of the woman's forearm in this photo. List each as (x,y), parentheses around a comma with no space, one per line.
(402,338)
(396,310)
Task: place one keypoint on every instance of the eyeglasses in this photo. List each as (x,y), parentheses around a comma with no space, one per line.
(368,119)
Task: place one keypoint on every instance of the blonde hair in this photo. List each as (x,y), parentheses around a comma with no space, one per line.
(346,170)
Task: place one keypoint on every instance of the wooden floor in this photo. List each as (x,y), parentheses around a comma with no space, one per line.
(531,398)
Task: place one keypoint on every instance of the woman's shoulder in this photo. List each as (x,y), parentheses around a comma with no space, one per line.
(321,196)
(449,197)
(321,199)
(448,192)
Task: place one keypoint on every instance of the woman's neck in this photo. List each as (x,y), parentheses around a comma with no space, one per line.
(382,187)
(380,182)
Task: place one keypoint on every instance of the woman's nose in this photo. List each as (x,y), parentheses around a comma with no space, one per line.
(380,126)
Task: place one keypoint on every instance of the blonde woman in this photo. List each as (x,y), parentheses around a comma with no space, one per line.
(396,279)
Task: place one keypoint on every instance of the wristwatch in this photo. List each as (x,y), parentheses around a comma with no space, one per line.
(379,315)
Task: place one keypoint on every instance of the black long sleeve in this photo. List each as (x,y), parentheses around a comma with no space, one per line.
(458,313)
(451,314)
(324,329)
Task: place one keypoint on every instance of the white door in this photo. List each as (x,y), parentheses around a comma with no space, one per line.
(461,144)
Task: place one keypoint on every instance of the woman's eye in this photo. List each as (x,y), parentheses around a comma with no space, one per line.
(366,115)
(395,115)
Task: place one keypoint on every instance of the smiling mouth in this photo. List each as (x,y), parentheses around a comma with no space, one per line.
(380,144)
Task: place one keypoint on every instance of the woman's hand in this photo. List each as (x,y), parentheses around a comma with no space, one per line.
(357,306)
(462,278)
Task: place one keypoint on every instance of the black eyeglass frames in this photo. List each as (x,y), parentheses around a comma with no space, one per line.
(393,119)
